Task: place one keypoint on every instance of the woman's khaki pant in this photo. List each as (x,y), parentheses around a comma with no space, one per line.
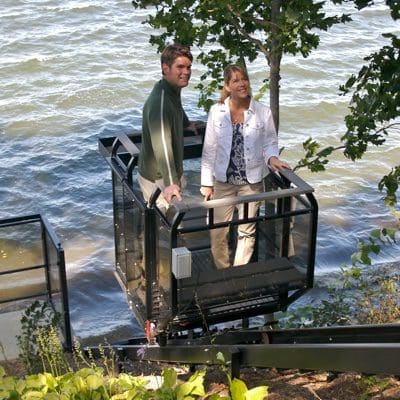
(246,232)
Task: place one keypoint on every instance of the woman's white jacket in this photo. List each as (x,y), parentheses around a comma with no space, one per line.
(260,142)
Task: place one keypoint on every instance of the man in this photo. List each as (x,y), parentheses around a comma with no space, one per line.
(161,155)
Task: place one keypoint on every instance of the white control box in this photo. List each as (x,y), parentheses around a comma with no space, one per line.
(181,262)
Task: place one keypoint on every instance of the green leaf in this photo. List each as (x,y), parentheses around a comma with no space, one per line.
(33,395)
(220,357)
(169,377)
(376,233)
(20,386)
(53,396)
(193,387)
(8,383)
(94,381)
(238,389)
(79,383)
(35,381)
(257,393)
(128,395)
(375,248)
(9,395)
(365,259)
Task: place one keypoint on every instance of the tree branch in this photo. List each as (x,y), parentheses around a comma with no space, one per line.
(257,42)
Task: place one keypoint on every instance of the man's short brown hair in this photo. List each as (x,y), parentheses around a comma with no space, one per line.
(173,51)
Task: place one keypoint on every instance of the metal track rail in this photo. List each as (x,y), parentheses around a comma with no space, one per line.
(372,349)
(371,358)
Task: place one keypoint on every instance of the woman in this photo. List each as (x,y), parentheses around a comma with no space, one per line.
(240,144)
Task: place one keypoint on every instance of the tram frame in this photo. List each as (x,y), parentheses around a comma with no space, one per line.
(270,282)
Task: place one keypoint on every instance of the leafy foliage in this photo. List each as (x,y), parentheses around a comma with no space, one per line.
(237,388)
(38,320)
(314,158)
(93,384)
(50,351)
(375,101)
(336,310)
(390,182)
(374,110)
(227,32)
(84,384)
(359,297)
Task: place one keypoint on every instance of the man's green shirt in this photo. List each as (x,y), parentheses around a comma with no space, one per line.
(161,152)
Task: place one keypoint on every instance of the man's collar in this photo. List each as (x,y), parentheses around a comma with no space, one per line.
(171,88)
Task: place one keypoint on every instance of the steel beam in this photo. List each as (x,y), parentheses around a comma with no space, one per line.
(371,358)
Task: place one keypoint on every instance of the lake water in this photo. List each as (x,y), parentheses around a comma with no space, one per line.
(74,71)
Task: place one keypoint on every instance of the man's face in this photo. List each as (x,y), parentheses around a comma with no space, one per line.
(178,74)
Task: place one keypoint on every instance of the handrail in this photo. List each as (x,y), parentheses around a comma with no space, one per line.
(48,228)
(296,180)
(127,160)
(302,188)
(124,140)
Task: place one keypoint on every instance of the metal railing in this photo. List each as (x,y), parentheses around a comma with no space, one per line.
(32,267)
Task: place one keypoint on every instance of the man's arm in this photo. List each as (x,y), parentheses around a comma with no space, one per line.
(189,125)
(161,139)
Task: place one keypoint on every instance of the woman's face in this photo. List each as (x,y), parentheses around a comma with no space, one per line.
(238,86)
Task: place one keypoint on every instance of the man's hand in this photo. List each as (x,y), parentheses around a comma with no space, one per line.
(172,191)
(192,127)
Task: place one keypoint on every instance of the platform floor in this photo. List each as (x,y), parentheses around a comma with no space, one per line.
(10,327)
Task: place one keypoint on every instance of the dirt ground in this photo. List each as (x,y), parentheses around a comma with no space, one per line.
(289,384)
(282,384)
(299,385)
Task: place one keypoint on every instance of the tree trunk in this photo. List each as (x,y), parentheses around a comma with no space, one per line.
(274,65)
(275,62)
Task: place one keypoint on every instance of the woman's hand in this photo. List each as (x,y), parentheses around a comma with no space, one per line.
(207,192)
(277,165)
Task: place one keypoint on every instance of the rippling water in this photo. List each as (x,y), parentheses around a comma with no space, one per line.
(74,71)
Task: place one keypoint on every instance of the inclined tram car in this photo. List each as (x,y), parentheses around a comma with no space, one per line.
(164,262)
